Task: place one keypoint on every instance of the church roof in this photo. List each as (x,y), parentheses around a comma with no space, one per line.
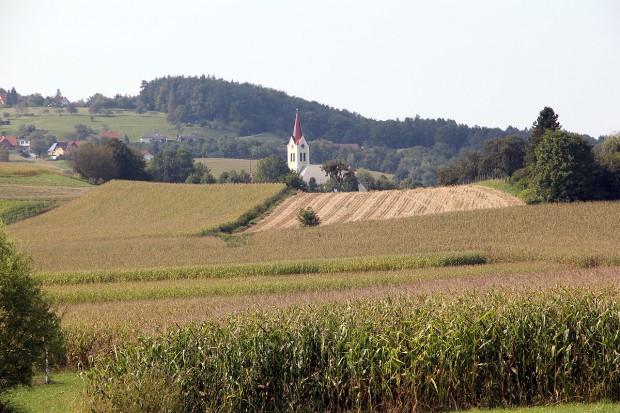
(297,133)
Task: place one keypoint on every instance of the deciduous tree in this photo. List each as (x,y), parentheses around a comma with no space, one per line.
(27,325)
(271,169)
(565,169)
(95,163)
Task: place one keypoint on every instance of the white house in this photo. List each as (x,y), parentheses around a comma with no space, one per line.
(298,153)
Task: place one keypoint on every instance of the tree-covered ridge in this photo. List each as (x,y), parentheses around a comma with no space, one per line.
(250,109)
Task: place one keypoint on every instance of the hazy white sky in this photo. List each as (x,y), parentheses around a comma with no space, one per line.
(479,62)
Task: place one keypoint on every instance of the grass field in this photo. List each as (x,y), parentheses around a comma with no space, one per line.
(124,122)
(57,397)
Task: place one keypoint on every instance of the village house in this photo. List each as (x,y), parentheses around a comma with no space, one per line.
(63,148)
(146,155)
(8,142)
(153,137)
(108,134)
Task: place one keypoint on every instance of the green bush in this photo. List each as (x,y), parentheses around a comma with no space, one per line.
(307,217)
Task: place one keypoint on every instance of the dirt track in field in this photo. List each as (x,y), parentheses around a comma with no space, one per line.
(376,205)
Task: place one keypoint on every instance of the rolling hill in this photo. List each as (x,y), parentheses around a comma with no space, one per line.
(364,206)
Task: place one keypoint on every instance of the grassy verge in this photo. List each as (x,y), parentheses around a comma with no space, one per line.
(501,185)
(56,397)
(603,407)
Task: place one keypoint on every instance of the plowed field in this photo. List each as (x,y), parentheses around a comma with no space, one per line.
(363,206)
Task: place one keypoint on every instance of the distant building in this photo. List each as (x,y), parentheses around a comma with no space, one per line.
(153,137)
(108,134)
(298,153)
(4,98)
(63,148)
(190,138)
(8,142)
(146,155)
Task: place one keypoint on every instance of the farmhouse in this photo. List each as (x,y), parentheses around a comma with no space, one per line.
(63,148)
(298,153)
(8,142)
(146,155)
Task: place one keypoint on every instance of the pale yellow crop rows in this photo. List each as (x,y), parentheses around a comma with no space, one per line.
(379,205)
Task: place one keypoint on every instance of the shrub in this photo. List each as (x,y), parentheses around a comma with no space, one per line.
(308,217)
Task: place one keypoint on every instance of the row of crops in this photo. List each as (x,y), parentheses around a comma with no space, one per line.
(396,354)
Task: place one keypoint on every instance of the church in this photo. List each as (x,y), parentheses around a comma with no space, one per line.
(298,153)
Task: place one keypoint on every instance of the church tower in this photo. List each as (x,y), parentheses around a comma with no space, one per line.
(297,148)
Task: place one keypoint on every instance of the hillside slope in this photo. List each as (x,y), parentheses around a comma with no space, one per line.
(364,206)
(127,209)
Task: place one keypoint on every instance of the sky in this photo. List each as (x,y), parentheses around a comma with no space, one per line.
(494,63)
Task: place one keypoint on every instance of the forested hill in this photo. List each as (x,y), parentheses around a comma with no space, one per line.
(250,109)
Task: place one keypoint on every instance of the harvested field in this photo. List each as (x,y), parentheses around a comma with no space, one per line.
(379,205)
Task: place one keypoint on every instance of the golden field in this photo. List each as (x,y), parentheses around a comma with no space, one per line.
(125,209)
(577,233)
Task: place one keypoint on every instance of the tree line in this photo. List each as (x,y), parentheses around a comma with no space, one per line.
(552,165)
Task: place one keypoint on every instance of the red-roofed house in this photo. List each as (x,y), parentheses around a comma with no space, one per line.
(108,134)
(9,142)
(3,98)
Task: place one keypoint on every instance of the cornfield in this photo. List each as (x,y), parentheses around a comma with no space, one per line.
(395,354)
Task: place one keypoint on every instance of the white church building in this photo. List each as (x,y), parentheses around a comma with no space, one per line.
(298,152)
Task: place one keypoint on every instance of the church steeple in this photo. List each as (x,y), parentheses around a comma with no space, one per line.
(298,151)
(297,133)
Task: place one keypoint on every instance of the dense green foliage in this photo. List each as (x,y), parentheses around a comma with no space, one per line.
(95,163)
(565,169)
(271,169)
(341,177)
(249,109)
(308,217)
(171,166)
(400,354)
(12,210)
(608,156)
(500,158)
(27,325)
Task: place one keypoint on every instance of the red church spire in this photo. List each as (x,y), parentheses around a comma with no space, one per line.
(297,133)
